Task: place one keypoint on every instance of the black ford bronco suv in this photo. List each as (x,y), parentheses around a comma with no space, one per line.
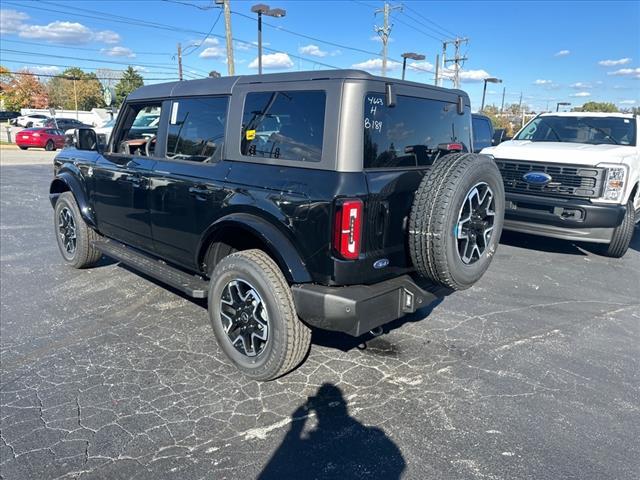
(335,199)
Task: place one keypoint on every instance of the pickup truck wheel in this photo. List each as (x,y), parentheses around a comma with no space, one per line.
(622,234)
(73,235)
(253,316)
(456,220)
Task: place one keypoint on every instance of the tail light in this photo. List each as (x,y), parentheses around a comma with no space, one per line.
(35,134)
(451,147)
(347,228)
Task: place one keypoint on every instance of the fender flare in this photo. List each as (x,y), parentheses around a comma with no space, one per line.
(66,181)
(277,245)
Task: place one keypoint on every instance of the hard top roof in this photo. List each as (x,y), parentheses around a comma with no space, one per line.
(587,114)
(225,85)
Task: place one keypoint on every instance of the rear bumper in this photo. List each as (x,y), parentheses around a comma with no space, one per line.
(359,308)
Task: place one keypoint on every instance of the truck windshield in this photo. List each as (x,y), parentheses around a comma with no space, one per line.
(412,132)
(590,130)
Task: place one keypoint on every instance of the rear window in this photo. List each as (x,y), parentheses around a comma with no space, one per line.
(286,125)
(408,134)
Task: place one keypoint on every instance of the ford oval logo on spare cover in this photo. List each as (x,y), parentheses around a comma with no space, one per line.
(383,262)
(536,178)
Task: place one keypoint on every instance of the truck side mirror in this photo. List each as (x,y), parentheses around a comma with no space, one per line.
(498,137)
(85,139)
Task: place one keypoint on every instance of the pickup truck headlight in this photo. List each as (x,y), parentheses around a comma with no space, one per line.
(614,182)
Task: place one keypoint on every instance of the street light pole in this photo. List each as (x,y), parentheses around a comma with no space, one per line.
(412,56)
(563,104)
(484,90)
(262,9)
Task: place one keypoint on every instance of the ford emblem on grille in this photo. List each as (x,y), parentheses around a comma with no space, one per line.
(536,178)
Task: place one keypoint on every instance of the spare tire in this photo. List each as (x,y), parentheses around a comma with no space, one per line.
(456,219)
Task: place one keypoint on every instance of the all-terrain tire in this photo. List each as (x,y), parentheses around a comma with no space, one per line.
(433,222)
(288,339)
(83,255)
(622,234)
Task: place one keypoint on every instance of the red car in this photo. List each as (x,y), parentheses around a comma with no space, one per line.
(47,138)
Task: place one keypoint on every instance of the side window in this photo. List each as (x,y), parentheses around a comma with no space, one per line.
(138,133)
(288,125)
(481,133)
(196,129)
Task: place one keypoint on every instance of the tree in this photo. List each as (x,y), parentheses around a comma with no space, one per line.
(130,80)
(22,90)
(597,107)
(74,84)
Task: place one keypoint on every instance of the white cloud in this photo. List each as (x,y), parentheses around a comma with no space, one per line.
(213,52)
(562,53)
(312,50)
(67,33)
(43,70)
(580,94)
(11,21)
(580,85)
(627,102)
(273,61)
(118,52)
(140,69)
(543,82)
(420,67)
(633,72)
(375,64)
(210,41)
(467,76)
(242,45)
(106,36)
(614,63)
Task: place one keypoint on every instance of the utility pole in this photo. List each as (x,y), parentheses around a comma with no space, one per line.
(444,63)
(179,62)
(385,31)
(437,69)
(227,29)
(504,89)
(457,59)
(521,112)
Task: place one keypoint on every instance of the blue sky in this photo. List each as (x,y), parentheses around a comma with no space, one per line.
(550,51)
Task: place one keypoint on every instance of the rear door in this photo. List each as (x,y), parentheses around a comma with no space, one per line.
(400,142)
(187,184)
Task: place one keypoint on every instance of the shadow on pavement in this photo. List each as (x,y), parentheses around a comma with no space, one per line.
(541,244)
(339,446)
(635,241)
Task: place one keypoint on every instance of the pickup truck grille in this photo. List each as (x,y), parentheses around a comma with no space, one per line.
(567,180)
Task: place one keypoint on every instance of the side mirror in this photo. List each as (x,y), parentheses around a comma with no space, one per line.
(498,137)
(85,139)
(460,105)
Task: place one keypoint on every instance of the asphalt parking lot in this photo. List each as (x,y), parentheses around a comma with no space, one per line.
(533,373)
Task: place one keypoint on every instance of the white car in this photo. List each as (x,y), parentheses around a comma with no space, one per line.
(574,176)
(33,120)
(104,132)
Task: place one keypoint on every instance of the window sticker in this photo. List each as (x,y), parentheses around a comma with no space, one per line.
(174,113)
(250,134)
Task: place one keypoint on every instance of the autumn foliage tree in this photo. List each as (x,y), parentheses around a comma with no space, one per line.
(22,90)
(74,84)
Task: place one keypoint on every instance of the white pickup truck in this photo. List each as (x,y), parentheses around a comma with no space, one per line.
(575,176)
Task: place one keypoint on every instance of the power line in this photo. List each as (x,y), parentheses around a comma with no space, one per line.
(50,75)
(446,31)
(439,39)
(199,44)
(24,62)
(108,17)
(48,45)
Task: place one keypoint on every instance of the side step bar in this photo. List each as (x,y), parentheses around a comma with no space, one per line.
(192,285)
